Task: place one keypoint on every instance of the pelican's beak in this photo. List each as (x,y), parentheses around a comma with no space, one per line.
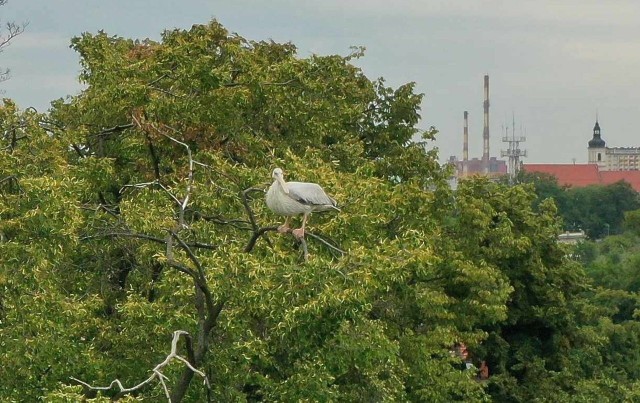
(283,184)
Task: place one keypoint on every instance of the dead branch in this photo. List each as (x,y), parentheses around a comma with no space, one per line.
(217,219)
(207,307)
(185,201)
(13,30)
(156,372)
(115,234)
(325,241)
(114,129)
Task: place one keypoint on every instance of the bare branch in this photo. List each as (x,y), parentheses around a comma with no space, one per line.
(256,235)
(78,150)
(102,207)
(8,178)
(262,231)
(158,79)
(322,239)
(245,202)
(153,87)
(282,83)
(146,237)
(13,30)
(185,202)
(156,372)
(237,223)
(114,129)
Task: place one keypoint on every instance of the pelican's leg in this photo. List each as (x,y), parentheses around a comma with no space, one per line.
(284,228)
(299,232)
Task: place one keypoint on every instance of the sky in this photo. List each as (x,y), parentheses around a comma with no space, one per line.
(553,65)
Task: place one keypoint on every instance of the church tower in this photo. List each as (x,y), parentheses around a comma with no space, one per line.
(597,150)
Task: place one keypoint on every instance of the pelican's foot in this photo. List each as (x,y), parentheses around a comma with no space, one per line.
(298,233)
(283,229)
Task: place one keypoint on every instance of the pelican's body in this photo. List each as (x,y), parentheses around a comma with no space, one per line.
(294,198)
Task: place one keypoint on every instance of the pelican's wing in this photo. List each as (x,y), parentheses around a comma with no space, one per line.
(310,194)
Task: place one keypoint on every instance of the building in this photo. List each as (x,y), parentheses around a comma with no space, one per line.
(606,166)
(487,165)
(579,175)
(572,238)
(476,166)
(611,158)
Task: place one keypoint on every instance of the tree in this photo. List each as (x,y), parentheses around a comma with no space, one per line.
(143,204)
(530,353)
(598,210)
(135,211)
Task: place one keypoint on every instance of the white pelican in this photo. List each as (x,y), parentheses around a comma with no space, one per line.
(293,198)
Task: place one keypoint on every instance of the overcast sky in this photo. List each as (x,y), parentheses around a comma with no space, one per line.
(552,64)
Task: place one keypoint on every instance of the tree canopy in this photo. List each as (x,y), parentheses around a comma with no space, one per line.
(135,209)
(597,209)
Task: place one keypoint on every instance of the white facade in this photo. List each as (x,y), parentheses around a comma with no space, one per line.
(612,158)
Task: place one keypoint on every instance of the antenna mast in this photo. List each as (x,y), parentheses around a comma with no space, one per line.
(513,152)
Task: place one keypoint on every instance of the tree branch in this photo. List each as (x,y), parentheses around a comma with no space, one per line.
(146,237)
(261,231)
(114,129)
(245,202)
(237,223)
(324,241)
(156,372)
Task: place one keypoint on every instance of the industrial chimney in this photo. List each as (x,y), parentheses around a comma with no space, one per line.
(465,146)
(485,131)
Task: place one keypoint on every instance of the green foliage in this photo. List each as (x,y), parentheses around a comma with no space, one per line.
(598,210)
(124,217)
(83,289)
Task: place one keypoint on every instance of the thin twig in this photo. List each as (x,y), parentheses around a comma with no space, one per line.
(199,245)
(325,242)
(237,223)
(114,129)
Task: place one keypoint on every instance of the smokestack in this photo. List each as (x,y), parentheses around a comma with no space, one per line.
(465,146)
(485,131)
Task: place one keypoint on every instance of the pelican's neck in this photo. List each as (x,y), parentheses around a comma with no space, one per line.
(283,185)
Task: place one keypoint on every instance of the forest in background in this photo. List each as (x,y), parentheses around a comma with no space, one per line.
(135,209)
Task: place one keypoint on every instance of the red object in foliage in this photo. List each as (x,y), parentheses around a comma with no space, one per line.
(483,373)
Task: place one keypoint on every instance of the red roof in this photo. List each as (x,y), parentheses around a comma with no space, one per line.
(578,175)
(569,174)
(631,177)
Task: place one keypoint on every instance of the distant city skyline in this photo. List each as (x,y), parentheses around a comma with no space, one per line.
(553,65)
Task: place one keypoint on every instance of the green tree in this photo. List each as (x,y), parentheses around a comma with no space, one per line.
(136,201)
(598,210)
(135,210)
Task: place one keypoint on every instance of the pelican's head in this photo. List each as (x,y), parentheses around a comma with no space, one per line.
(278,176)
(277,173)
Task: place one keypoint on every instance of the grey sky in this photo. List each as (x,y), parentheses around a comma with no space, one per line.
(551,63)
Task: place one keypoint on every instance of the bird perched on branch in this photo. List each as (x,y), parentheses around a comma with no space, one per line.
(293,198)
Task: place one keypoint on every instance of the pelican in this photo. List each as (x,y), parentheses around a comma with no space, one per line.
(293,198)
